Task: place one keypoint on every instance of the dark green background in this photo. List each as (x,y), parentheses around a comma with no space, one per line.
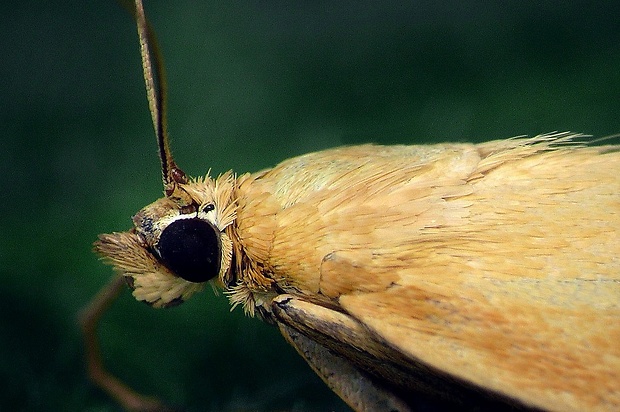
(251,83)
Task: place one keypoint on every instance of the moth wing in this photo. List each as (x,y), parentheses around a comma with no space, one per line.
(357,388)
(508,279)
(365,371)
(556,360)
(495,263)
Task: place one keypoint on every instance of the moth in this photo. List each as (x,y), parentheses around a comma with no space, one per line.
(486,275)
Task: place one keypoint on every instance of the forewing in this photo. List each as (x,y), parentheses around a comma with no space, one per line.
(550,358)
(498,264)
(517,291)
(367,372)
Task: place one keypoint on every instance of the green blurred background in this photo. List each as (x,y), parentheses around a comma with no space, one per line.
(251,83)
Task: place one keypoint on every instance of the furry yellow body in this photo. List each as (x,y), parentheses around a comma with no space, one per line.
(496,264)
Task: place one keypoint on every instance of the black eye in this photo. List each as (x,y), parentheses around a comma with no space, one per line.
(191,249)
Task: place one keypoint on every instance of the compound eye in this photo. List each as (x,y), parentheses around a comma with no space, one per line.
(191,249)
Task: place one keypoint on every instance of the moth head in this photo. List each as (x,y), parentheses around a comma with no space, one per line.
(178,242)
(174,249)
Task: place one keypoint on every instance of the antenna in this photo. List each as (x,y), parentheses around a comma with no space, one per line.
(155,82)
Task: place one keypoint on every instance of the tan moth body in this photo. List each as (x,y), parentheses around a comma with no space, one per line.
(494,263)
(447,269)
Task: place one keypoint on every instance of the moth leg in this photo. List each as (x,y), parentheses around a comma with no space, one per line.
(89,319)
(356,388)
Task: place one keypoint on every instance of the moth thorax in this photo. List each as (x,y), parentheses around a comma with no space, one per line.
(191,248)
